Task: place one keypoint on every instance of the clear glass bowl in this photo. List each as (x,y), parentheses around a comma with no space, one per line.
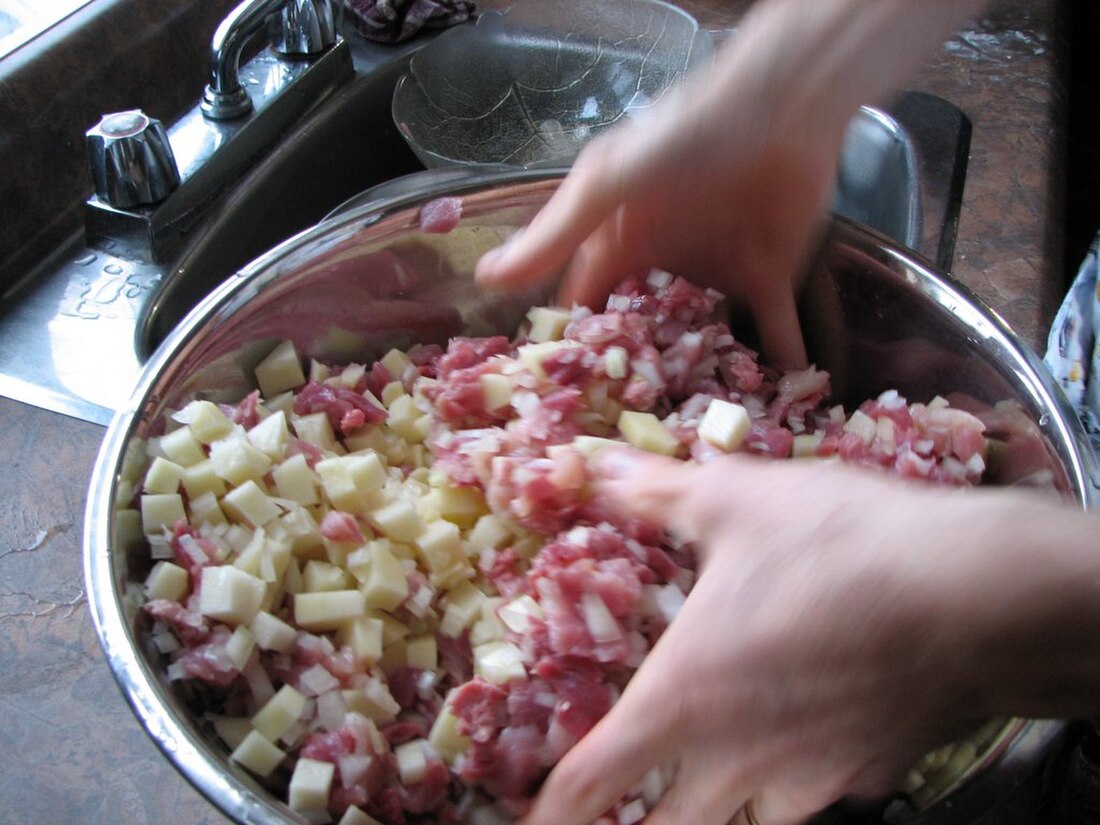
(529,86)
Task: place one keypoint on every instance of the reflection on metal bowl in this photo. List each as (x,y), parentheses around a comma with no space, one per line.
(876,318)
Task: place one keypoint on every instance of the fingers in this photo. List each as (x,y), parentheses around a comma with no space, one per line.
(611,758)
(704,793)
(780,333)
(601,262)
(767,808)
(647,486)
(690,499)
(582,202)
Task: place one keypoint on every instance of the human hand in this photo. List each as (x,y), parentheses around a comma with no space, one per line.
(719,201)
(726,181)
(831,639)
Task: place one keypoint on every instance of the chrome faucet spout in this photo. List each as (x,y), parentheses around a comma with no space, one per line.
(304,28)
(225,98)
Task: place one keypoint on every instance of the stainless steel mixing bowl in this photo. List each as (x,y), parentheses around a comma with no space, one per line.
(368,278)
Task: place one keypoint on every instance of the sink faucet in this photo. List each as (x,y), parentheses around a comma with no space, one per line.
(304,27)
(242,113)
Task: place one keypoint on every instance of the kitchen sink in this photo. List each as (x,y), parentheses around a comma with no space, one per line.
(74,335)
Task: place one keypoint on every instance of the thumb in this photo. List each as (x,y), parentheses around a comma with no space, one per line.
(648,487)
(689,499)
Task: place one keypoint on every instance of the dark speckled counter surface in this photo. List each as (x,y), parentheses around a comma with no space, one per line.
(71,750)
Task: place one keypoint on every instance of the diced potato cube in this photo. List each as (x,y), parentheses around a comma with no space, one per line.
(490,532)
(367,439)
(528,545)
(440,546)
(181,447)
(398,520)
(646,432)
(348,480)
(272,633)
(392,391)
(316,429)
(862,425)
(327,610)
(385,586)
(487,629)
(167,581)
(461,606)
(160,511)
(230,595)
(321,576)
(280,370)
(589,445)
(249,504)
(280,713)
(497,389)
(412,761)
(395,362)
(270,435)
(202,478)
(163,476)
(205,509)
(239,645)
(403,417)
(518,613)
(616,362)
(373,700)
(393,631)
(310,785)
(421,652)
(294,479)
(208,423)
(318,372)
(258,754)
(304,532)
(393,658)
(363,635)
(231,729)
(547,323)
(532,356)
(499,662)
(237,461)
(275,558)
(886,432)
(283,402)
(462,505)
(445,736)
(805,444)
(351,375)
(724,425)
(356,816)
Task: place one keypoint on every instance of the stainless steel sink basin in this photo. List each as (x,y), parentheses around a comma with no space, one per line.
(74,336)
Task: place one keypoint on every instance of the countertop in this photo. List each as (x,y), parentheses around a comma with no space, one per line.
(72,751)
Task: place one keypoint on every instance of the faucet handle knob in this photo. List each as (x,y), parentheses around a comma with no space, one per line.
(302,28)
(131,159)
